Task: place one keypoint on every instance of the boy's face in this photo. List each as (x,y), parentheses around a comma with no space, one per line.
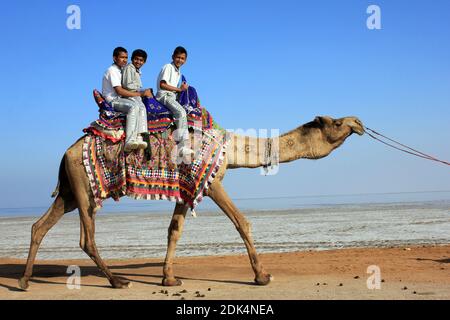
(121,60)
(138,62)
(179,59)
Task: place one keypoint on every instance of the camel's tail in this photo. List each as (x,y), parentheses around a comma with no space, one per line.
(55,193)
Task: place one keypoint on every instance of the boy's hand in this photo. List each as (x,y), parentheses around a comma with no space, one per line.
(184,86)
(147,93)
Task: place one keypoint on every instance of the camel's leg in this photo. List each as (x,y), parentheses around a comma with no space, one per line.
(40,229)
(86,206)
(220,197)
(175,230)
(87,243)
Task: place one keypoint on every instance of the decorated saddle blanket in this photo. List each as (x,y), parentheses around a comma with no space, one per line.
(154,173)
(157,172)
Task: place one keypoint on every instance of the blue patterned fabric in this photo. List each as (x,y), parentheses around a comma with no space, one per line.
(188,99)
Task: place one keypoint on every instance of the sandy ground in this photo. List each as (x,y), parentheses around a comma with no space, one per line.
(405,273)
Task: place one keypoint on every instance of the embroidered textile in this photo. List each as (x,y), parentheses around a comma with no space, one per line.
(154,173)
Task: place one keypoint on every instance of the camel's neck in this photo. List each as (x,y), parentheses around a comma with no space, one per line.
(251,152)
(246,152)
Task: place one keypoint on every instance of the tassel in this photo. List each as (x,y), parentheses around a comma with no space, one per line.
(193,213)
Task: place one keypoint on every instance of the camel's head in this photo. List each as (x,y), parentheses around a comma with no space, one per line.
(337,130)
(326,134)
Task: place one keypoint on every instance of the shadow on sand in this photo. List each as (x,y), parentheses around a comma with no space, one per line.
(46,273)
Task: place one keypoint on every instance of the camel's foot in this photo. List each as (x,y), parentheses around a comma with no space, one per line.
(23,283)
(264,279)
(171,282)
(118,283)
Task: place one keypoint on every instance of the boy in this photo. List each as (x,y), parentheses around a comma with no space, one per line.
(167,85)
(116,95)
(131,81)
(131,74)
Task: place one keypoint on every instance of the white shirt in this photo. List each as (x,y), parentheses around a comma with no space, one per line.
(171,75)
(112,78)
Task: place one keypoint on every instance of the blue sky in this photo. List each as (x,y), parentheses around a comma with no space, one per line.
(256,64)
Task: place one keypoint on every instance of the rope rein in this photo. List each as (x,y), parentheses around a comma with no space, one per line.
(413,151)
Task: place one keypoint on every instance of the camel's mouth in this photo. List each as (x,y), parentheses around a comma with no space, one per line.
(358,127)
(359,131)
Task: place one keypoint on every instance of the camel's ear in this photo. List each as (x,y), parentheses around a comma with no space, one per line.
(338,123)
(319,120)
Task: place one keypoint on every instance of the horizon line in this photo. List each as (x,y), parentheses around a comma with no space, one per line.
(286,197)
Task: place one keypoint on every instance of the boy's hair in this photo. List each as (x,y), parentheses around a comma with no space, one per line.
(179,50)
(139,53)
(118,50)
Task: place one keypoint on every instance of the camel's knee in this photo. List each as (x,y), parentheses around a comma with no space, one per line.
(90,251)
(82,236)
(244,226)
(82,243)
(174,236)
(35,234)
(89,248)
(34,228)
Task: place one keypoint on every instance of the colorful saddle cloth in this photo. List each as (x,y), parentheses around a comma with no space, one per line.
(155,173)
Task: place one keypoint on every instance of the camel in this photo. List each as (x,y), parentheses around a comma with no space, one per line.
(313,140)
